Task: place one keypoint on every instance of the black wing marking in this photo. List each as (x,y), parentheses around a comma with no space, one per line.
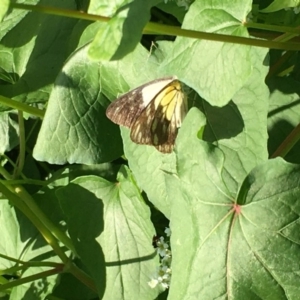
(153,128)
(167,147)
(141,128)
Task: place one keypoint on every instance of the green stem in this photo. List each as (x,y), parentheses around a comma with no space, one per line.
(153,28)
(60,12)
(288,143)
(25,181)
(31,278)
(21,106)
(26,264)
(58,269)
(5,174)
(61,236)
(21,158)
(48,236)
(82,277)
(284,29)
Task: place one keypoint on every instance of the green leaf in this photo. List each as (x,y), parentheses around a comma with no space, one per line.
(240,244)
(280,4)
(104,8)
(110,223)
(123,32)
(75,128)
(172,8)
(30,59)
(107,40)
(9,133)
(202,63)
(152,178)
(4,5)
(240,128)
(200,170)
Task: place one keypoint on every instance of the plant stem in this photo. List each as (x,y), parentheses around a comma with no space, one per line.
(288,143)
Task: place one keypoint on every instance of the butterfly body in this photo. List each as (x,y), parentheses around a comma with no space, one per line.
(153,112)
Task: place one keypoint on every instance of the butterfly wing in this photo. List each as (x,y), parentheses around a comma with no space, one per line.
(127,108)
(166,134)
(158,123)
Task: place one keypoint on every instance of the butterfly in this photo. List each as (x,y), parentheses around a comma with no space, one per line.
(153,112)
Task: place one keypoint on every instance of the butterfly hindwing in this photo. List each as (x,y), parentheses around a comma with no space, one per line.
(140,129)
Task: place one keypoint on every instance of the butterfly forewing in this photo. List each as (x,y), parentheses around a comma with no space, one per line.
(153,111)
(129,106)
(125,110)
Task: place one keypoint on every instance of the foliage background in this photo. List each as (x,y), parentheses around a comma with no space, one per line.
(80,203)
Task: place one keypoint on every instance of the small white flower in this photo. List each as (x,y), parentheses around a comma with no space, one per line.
(167,259)
(153,283)
(165,271)
(165,285)
(297,10)
(162,276)
(185,3)
(168,232)
(162,246)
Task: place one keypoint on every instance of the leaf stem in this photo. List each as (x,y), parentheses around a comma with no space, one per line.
(21,106)
(288,143)
(60,12)
(19,190)
(30,278)
(21,158)
(23,206)
(154,28)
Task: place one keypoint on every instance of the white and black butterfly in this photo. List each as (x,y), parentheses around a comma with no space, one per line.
(153,112)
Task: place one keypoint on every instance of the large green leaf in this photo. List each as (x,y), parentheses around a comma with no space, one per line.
(110,226)
(240,128)
(215,70)
(149,168)
(75,128)
(242,244)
